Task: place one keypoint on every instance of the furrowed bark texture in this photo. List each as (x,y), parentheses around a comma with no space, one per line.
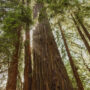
(13,68)
(76,75)
(28,68)
(81,34)
(49,72)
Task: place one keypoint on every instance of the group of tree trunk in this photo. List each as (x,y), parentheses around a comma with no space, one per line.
(48,71)
(83,27)
(80,32)
(13,69)
(74,69)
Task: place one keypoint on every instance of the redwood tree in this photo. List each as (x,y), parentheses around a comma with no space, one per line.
(28,66)
(13,68)
(49,72)
(28,69)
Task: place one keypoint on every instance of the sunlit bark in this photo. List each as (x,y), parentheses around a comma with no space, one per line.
(28,68)
(49,72)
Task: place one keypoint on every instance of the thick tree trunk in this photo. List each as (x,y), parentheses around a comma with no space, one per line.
(84,28)
(49,72)
(76,75)
(13,69)
(81,34)
(28,68)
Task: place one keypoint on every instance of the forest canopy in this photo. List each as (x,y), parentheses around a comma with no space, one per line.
(44,44)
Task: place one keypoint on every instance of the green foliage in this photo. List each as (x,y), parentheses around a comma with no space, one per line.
(42,14)
(7,5)
(83,11)
(19,17)
(5,45)
(15,16)
(58,6)
(28,1)
(11,22)
(26,15)
(40,1)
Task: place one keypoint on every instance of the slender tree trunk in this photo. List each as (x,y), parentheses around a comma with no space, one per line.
(49,72)
(81,34)
(20,62)
(13,69)
(85,63)
(76,75)
(28,68)
(84,28)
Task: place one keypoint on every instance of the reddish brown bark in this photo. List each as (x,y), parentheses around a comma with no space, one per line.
(49,72)
(13,69)
(74,69)
(28,68)
(81,34)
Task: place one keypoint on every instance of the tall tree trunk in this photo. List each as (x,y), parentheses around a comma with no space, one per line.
(20,62)
(84,28)
(13,69)
(81,34)
(49,72)
(28,68)
(76,75)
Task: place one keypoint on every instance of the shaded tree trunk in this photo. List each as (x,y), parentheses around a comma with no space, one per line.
(20,62)
(81,34)
(49,72)
(74,69)
(28,68)
(84,28)
(13,68)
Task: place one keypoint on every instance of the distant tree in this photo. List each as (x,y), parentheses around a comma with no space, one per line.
(81,34)
(74,69)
